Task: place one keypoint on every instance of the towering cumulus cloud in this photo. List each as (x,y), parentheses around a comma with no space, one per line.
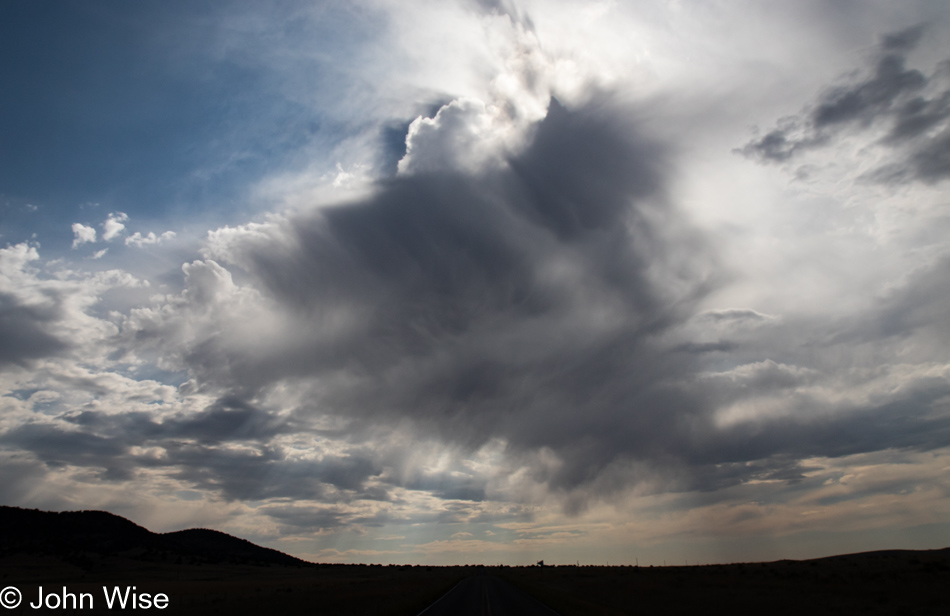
(531,303)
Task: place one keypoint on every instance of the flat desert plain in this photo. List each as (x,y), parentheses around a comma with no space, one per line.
(887,582)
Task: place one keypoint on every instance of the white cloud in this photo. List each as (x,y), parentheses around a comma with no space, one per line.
(57,301)
(14,264)
(138,240)
(458,137)
(210,304)
(471,132)
(83,234)
(113,225)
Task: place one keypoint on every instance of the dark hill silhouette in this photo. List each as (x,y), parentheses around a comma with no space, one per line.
(72,533)
(205,572)
(214,544)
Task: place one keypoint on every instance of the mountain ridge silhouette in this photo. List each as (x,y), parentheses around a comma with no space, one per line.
(101,533)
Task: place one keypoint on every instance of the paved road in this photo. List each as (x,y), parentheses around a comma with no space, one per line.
(487,595)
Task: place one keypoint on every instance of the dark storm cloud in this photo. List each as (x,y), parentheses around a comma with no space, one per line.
(909,421)
(706,347)
(24,331)
(308,518)
(259,472)
(327,517)
(544,304)
(266,472)
(914,109)
(226,420)
(527,303)
(57,447)
(431,259)
(902,41)
(199,449)
(776,449)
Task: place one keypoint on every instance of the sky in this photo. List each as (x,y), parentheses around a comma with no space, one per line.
(481,281)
